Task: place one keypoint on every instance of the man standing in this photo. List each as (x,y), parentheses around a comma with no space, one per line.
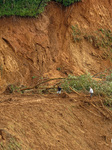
(59,90)
(91,92)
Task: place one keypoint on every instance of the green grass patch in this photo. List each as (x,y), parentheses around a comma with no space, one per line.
(29,8)
(22,7)
(11,144)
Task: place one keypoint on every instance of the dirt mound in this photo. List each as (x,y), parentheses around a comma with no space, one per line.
(52,122)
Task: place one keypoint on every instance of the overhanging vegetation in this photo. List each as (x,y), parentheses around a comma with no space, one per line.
(22,7)
(27,7)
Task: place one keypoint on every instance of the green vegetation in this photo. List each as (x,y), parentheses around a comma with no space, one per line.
(83,82)
(11,88)
(22,7)
(100,39)
(33,77)
(58,68)
(67,2)
(76,33)
(11,144)
(14,88)
(108,102)
(102,87)
(27,7)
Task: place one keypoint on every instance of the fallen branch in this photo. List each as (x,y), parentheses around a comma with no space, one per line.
(90,111)
(110,113)
(100,111)
(74,91)
(29,88)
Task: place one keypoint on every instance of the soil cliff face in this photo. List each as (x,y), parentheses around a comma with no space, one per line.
(44,46)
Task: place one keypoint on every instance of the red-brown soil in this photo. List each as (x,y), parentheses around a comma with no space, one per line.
(33,48)
(44,46)
(42,122)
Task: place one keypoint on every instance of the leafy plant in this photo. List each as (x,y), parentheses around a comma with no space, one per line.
(58,68)
(33,77)
(83,82)
(76,33)
(109,77)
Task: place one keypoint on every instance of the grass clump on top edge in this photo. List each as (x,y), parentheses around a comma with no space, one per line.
(29,8)
(67,2)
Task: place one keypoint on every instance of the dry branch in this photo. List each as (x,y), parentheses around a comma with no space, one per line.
(100,111)
(90,111)
(29,88)
(36,86)
(107,110)
(74,91)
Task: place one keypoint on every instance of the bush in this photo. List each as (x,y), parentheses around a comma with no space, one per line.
(83,82)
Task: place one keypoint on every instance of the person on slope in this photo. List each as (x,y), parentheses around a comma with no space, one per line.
(59,90)
(91,92)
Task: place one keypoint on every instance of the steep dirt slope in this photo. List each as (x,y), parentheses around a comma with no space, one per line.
(43,46)
(53,123)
